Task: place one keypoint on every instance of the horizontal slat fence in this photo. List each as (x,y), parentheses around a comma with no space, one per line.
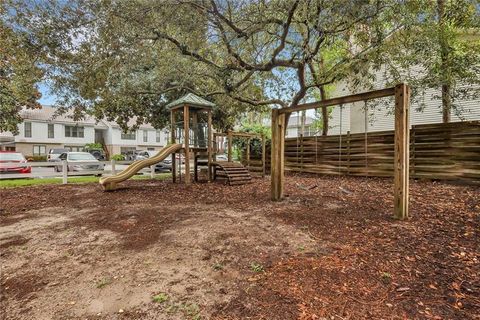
(437,151)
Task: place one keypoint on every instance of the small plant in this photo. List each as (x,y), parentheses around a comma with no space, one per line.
(160,298)
(256,267)
(217,266)
(104,282)
(192,310)
(118,157)
(301,248)
(386,277)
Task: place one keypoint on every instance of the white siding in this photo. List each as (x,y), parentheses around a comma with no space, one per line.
(40,134)
(380,116)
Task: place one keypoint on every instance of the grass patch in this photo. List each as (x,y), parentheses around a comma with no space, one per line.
(256,267)
(27,182)
(104,282)
(160,298)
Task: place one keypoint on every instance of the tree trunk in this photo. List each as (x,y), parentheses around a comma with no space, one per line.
(303,119)
(446,85)
(324,112)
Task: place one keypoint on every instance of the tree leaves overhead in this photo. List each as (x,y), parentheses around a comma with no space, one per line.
(18,76)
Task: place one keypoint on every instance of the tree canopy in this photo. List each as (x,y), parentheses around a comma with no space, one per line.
(19,75)
(126,59)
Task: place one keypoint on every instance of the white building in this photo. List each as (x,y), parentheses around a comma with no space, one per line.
(426,109)
(42,130)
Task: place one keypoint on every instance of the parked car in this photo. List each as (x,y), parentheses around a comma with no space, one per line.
(162,166)
(8,160)
(130,155)
(99,154)
(222,157)
(79,161)
(53,154)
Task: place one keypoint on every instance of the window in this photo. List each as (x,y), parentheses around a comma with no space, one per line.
(51,133)
(28,130)
(75,148)
(157,138)
(130,135)
(145,135)
(39,150)
(74,132)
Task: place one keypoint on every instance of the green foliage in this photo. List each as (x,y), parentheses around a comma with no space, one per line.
(91,146)
(160,298)
(118,157)
(256,267)
(37,158)
(240,143)
(103,283)
(19,75)
(434,50)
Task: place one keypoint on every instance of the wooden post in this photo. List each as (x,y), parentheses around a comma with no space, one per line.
(348,152)
(210,145)
(195,166)
(278,155)
(264,165)
(412,150)
(229,137)
(112,163)
(64,172)
(186,140)
(172,137)
(402,151)
(248,153)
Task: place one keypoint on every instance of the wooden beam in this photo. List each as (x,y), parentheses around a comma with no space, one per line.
(248,153)
(402,150)
(229,150)
(277,165)
(172,137)
(341,100)
(264,166)
(210,145)
(186,140)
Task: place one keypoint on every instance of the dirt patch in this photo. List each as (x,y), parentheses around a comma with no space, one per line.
(155,250)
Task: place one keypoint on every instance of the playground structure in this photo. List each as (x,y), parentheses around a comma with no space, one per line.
(200,144)
(401,92)
(192,135)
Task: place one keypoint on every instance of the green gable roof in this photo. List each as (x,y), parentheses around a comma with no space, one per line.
(191,99)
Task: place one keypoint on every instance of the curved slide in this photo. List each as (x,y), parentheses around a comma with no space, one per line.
(110,183)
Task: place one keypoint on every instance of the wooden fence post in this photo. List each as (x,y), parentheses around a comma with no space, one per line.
(402,151)
(152,171)
(264,157)
(186,139)
(112,163)
(229,150)
(277,164)
(348,152)
(412,150)
(64,172)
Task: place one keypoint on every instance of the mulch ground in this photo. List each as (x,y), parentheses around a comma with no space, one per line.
(367,265)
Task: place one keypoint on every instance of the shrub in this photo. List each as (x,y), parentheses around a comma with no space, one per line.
(37,158)
(118,157)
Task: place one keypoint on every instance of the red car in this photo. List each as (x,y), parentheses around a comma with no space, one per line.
(8,160)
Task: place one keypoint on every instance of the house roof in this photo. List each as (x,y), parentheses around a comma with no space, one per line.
(191,99)
(48,114)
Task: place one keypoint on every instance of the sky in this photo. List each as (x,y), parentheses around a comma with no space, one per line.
(47,97)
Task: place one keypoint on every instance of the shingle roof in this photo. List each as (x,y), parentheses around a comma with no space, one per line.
(47,113)
(191,100)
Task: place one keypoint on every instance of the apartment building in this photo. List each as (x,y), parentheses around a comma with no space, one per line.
(42,130)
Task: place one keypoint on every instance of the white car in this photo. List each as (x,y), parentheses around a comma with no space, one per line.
(79,161)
